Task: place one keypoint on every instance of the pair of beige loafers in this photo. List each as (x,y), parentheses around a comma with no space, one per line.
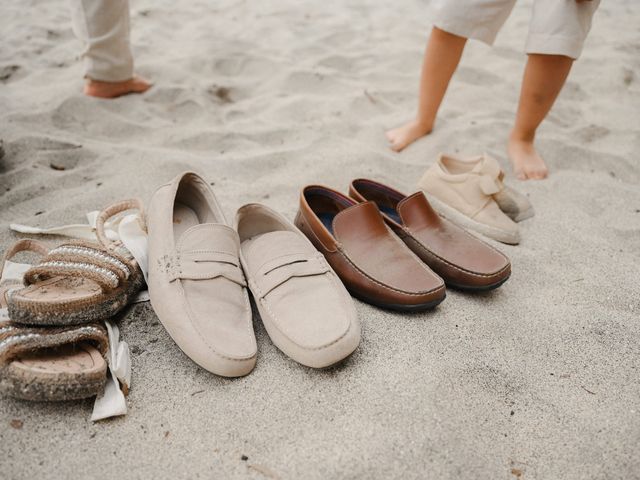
(200,268)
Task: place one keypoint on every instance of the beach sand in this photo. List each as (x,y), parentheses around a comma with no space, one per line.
(539,379)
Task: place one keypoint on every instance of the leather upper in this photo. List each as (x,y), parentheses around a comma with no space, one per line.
(370,259)
(196,283)
(457,256)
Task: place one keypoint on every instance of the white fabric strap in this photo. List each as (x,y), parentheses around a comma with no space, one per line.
(112,402)
(124,228)
(14,272)
(127,229)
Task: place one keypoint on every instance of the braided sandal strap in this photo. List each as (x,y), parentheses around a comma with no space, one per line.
(24,245)
(91,253)
(112,210)
(83,260)
(18,339)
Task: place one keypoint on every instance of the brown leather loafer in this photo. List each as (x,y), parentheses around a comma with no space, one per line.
(369,258)
(462,260)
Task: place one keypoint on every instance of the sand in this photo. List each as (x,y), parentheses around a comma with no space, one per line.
(539,379)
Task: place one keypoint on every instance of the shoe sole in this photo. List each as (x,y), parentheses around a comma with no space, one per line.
(482,288)
(465,222)
(398,307)
(524,215)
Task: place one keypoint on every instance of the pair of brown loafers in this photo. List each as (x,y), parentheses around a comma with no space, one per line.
(394,251)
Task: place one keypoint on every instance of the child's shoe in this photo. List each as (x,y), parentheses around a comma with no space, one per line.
(470,192)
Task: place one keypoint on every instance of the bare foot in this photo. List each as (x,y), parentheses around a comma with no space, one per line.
(527,164)
(402,136)
(97,88)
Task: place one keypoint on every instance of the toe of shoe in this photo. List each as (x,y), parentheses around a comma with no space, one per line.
(324,356)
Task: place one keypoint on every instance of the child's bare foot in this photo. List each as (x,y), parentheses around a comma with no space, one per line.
(401,137)
(97,88)
(527,164)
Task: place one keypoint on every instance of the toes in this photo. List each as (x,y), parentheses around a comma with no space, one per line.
(537,173)
(141,87)
(519,172)
(396,146)
(390,134)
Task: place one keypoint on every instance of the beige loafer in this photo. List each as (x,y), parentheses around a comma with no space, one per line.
(462,190)
(304,306)
(196,283)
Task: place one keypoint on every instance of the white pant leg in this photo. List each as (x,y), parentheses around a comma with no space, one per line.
(477,19)
(103,28)
(560,27)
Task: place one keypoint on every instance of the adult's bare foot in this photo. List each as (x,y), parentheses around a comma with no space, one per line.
(403,136)
(97,88)
(527,164)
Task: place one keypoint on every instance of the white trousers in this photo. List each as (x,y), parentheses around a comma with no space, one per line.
(103,28)
(557,27)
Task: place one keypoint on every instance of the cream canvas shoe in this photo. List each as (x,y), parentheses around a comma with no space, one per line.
(306,310)
(463,191)
(196,283)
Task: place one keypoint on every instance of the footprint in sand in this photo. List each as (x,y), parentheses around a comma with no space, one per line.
(164,95)
(60,165)
(573,157)
(48,152)
(62,160)
(110,120)
(592,133)
(252,67)
(7,72)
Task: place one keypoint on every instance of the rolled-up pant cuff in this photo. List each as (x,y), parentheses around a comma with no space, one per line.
(554,45)
(483,34)
(108,73)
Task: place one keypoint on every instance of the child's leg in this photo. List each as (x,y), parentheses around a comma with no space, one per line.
(440,61)
(543,79)
(556,36)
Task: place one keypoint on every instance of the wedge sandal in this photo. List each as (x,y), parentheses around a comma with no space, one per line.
(79,281)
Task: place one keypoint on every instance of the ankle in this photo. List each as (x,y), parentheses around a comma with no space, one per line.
(522,136)
(424,125)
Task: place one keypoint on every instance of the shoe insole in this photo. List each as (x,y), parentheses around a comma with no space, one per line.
(391,212)
(60,289)
(184,218)
(327,220)
(78,359)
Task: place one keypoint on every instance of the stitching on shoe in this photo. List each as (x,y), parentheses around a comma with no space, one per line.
(475,274)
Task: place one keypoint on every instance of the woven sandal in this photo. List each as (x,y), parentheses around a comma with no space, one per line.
(78,282)
(52,363)
(59,363)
